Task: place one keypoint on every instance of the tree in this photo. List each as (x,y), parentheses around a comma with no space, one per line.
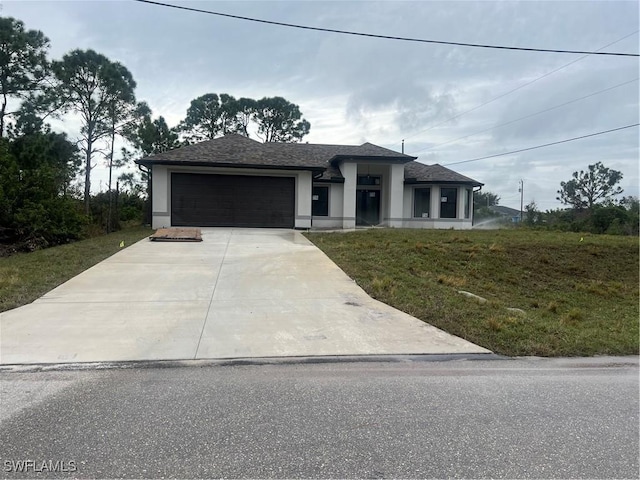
(35,172)
(245,108)
(211,115)
(203,118)
(90,85)
(279,120)
(485,199)
(23,63)
(153,136)
(533,215)
(123,112)
(586,189)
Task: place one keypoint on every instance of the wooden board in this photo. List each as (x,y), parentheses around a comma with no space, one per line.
(177,235)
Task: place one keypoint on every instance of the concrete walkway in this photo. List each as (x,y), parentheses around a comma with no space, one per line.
(239,293)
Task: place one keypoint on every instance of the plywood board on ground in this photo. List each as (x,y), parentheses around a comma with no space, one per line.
(177,234)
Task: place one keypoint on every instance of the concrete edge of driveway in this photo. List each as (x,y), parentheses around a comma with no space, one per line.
(230,362)
(458,358)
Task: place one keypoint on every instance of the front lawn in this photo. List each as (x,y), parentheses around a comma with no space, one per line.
(579,292)
(27,276)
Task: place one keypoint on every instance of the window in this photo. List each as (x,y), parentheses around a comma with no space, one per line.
(368,180)
(468,201)
(320,202)
(448,202)
(422,202)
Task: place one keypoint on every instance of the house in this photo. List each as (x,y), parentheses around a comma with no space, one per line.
(236,181)
(507,212)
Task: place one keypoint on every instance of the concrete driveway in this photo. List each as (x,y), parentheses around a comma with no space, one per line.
(239,293)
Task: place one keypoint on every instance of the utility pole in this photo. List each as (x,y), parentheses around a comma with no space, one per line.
(521,190)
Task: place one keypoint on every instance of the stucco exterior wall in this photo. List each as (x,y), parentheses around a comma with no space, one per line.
(396,200)
(396,196)
(349,172)
(434,220)
(161,190)
(160,212)
(303,200)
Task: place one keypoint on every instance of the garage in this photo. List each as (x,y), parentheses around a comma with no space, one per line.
(203,200)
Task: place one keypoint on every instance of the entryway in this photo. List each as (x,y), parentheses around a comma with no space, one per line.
(367,207)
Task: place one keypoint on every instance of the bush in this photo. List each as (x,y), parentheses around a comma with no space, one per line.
(35,210)
(603,217)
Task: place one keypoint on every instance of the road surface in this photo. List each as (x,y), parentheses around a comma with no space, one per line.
(526,418)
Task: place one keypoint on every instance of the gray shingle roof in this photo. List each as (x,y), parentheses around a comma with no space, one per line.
(239,151)
(507,211)
(416,172)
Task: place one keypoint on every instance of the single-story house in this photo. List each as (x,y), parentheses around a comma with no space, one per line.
(236,181)
(507,212)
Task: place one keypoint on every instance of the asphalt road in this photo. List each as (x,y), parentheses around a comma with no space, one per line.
(528,418)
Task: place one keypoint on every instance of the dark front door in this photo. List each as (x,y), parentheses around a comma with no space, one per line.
(367,207)
(202,200)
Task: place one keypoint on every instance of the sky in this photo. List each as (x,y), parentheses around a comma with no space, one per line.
(448,103)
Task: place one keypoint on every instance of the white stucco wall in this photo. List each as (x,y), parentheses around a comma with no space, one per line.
(349,172)
(434,221)
(396,200)
(304,187)
(396,195)
(160,212)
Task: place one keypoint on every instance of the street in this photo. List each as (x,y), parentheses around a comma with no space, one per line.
(410,418)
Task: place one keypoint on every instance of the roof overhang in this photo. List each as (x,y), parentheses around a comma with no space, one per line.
(413,181)
(151,163)
(365,158)
(329,180)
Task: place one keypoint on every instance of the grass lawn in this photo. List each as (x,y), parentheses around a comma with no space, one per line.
(27,276)
(579,292)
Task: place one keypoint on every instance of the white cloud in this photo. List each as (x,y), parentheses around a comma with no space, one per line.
(355,89)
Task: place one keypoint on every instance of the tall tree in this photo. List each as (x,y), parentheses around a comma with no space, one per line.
(244,110)
(123,112)
(90,84)
(211,115)
(585,189)
(153,136)
(203,119)
(23,63)
(279,120)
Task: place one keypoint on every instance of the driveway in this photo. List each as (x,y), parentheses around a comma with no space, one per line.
(238,293)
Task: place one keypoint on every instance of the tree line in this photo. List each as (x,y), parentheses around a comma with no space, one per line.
(591,205)
(44,174)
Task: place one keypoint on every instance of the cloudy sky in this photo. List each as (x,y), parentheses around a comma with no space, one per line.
(354,89)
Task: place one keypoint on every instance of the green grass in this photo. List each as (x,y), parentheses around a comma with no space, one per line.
(579,292)
(27,276)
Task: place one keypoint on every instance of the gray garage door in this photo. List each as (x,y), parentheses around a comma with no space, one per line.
(232,201)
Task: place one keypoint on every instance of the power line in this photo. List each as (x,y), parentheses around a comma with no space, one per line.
(545,145)
(528,116)
(517,88)
(387,37)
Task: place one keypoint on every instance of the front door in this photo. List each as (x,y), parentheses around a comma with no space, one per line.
(367,207)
